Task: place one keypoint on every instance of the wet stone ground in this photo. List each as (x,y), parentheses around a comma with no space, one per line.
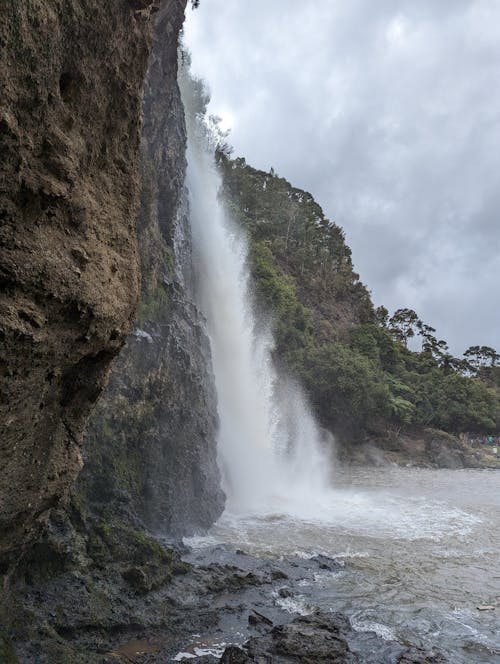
(234,607)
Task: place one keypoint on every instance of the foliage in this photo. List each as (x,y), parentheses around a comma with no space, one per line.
(353,360)
(345,386)
(303,243)
(455,403)
(481,357)
(276,292)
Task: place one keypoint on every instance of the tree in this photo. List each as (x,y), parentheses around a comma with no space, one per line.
(346,387)
(453,364)
(354,361)
(382,316)
(402,325)
(481,356)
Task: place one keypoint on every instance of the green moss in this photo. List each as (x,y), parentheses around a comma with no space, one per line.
(146,545)
(127,472)
(169,261)
(104,530)
(78,504)
(153,306)
(118,541)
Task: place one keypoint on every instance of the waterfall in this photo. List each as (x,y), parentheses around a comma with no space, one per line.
(270,449)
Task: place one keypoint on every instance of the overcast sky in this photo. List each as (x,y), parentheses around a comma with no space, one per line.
(388,112)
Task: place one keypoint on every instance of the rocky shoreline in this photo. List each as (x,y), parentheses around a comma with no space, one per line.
(168,605)
(427,448)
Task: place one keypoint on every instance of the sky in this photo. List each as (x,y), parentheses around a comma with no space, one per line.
(388,112)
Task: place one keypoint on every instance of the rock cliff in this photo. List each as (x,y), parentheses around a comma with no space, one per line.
(70,123)
(151,444)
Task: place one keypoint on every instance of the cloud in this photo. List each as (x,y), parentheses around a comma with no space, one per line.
(388,113)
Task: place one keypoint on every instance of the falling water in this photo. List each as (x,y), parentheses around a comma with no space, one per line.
(270,449)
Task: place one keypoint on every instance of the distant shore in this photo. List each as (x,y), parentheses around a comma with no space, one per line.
(430,448)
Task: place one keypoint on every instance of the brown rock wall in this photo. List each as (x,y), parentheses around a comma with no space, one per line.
(71,77)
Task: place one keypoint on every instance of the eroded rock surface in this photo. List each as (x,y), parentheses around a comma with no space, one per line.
(70,118)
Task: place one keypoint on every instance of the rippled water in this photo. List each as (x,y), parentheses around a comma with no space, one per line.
(421,547)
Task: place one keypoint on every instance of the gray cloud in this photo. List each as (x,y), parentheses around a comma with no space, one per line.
(388,112)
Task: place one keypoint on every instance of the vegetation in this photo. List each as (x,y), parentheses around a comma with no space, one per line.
(354,361)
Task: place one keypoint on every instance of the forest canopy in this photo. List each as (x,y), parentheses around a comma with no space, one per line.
(364,369)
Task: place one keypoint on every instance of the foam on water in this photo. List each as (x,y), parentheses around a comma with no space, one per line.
(420,550)
(296,604)
(371,626)
(313,529)
(200,647)
(214,651)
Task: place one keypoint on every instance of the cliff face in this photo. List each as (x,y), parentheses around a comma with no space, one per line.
(70,114)
(151,444)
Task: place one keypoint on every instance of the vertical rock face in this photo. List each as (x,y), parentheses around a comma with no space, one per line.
(70,108)
(151,445)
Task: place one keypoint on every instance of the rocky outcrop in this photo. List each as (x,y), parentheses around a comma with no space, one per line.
(151,445)
(70,120)
(145,604)
(307,639)
(426,448)
(322,638)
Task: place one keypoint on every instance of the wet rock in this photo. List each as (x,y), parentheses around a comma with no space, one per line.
(230,578)
(139,5)
(235,655)
(278,574)
(112,607)
(255,618)
(285,593)
(310,639)
(72,83)
(153,433)
(137,578)
(326,563)
(417,656)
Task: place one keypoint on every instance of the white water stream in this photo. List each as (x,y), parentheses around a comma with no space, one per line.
(270,448)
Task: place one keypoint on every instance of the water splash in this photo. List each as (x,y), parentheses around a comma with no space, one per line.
(271,451)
